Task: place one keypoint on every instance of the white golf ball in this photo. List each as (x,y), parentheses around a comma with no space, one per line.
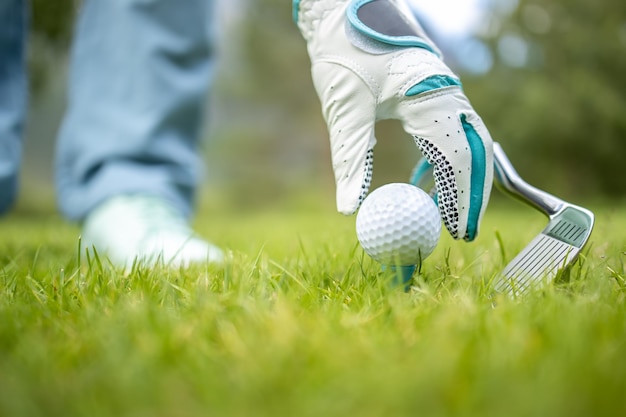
(398,224)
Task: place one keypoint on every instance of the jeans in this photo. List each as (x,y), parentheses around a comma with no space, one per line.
(139,75)
(13,92)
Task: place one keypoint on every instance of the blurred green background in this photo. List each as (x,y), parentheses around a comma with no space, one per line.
(546,76)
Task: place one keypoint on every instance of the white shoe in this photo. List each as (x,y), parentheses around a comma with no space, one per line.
(147,229)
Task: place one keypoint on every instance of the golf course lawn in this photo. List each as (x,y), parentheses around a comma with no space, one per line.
(300,322)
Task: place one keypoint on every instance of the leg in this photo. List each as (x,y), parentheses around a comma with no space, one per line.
(127,161)
(139,75)
(13,96)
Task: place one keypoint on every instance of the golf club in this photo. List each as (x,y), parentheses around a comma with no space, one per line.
(555,248)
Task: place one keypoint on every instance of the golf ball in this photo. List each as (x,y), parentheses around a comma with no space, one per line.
(398,224)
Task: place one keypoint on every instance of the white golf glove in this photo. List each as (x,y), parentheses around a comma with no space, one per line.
(371,60)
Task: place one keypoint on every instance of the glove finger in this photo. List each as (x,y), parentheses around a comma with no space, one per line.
(454,140)
(349,110)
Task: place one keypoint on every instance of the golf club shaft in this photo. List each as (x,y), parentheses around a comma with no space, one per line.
(509,181)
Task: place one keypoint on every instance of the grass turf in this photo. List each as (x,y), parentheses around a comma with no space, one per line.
(301,323)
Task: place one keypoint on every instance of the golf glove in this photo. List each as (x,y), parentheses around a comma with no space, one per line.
(371,60)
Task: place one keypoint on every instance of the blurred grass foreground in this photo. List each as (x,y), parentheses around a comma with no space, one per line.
(301,322)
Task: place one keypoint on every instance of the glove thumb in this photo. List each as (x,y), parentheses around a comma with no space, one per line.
(350,113)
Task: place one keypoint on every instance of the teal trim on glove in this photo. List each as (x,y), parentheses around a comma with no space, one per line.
(422,173)
(422,177)
(479,168)
(390,13)
(295,8)
(433,83)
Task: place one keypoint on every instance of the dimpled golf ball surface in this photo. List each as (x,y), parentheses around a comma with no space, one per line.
(398,224)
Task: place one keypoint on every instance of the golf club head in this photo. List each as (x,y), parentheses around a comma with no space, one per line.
(555,248)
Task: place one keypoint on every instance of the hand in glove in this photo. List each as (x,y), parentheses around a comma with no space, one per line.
(371,60)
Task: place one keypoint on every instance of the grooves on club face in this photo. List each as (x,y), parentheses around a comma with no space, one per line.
(556,247)
(538,263)
(552,251)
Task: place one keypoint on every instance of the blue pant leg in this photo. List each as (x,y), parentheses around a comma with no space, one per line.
(13,96)
(140,71)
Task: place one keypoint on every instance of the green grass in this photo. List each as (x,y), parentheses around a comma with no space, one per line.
(301,323)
